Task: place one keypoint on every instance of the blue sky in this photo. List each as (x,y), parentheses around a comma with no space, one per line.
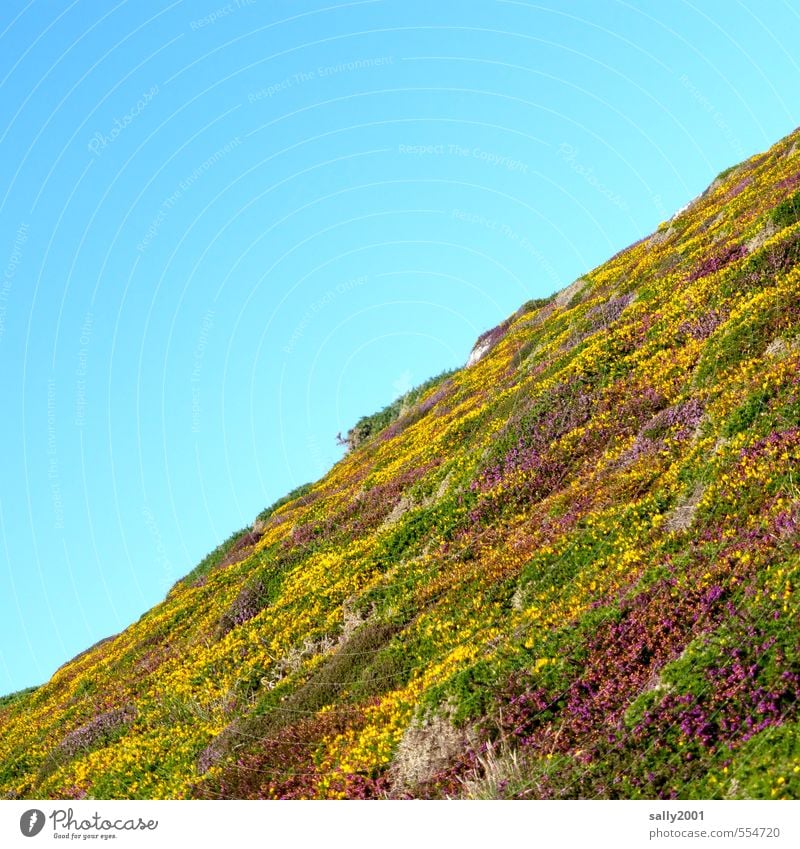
(229,230)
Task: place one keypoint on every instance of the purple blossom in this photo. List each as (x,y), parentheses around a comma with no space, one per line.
(609,311)
(702,326)
(92,732)
(246,605)
(786,523)
(739,187)
(790,182)
(685,417)
(717,261)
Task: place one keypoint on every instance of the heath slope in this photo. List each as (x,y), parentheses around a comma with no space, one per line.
(567,570)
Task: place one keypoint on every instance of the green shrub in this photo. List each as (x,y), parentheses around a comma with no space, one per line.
(368,426)
(744,416)
(389,670)
(296,493)
(533,304)
(11,698)
(787,212)
(759,765)
(743,339)
(259,592)
(213,558)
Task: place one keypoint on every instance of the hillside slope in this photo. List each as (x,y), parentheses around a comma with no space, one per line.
(568,570)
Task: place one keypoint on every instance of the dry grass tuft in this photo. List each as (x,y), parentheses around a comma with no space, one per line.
(426,748)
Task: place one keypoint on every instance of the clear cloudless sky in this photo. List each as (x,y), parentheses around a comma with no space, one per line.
(229,230)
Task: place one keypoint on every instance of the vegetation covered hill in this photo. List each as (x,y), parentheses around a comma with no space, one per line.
(569,570)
